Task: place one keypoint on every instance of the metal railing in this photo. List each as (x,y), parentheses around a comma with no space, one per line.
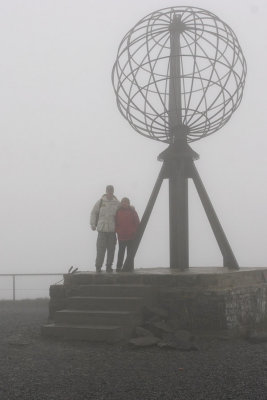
(37,274)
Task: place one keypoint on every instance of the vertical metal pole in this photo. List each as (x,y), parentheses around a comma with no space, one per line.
(14,287)
(175,101)
(178,180)
(178,205)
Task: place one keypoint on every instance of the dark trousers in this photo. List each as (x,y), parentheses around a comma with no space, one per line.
(123,245)
(106,242)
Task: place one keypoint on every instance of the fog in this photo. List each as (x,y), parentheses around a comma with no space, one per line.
(63,139)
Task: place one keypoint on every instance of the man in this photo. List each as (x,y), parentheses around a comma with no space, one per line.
(103,219)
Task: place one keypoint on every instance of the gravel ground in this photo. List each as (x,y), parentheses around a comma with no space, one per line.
(35,368)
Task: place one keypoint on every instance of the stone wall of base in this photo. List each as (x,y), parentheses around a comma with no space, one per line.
(246,307)
(233,309)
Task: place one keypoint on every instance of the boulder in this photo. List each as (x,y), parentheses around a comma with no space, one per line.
(180,340)
(142,332)
(156,311)
(258,337)
(144,341)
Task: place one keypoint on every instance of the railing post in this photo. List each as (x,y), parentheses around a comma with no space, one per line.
(14,287)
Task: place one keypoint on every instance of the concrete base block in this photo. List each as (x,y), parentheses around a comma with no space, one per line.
(198,299)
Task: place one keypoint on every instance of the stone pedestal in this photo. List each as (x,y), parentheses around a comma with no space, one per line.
(198,299)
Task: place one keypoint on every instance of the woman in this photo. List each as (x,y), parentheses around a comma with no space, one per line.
(126,222)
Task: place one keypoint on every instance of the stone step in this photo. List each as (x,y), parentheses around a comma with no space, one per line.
(103,311)
(103,278)
(199,277)
(94,333)
(105,303)
(92,317)
(116,290)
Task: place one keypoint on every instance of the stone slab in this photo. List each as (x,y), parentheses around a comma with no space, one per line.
(198,277)
(109,334)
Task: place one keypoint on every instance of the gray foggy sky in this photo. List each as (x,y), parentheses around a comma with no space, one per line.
(63,139)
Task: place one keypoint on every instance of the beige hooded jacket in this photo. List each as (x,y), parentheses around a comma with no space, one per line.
(103,214)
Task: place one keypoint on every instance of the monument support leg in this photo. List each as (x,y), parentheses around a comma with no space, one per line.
(229,259)
(178,215)
(146,215)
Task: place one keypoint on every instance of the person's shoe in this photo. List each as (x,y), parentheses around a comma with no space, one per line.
(98,269)
(118,269)
(109,269)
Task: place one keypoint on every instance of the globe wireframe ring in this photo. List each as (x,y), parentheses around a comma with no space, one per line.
(212,73)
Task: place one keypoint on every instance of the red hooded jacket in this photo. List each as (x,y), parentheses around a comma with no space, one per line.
(127,222)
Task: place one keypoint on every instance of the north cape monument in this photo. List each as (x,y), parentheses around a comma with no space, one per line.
(178,77)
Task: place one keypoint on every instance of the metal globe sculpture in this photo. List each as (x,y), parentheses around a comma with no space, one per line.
(178,77)
(209,73)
